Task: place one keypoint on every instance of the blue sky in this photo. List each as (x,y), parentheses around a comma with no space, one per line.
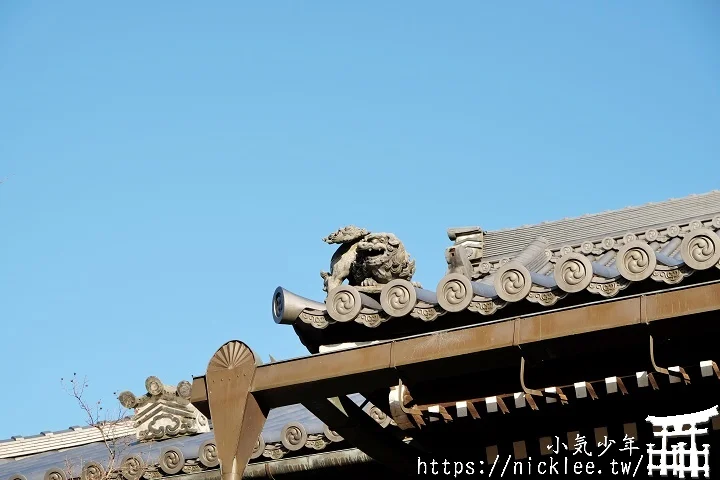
(166,165)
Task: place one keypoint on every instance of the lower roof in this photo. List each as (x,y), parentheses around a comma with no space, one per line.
(195,449)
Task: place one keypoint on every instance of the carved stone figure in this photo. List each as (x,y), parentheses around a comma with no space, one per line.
(164,411)
(366,259)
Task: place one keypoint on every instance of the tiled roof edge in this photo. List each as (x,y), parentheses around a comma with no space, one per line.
(593,227)
(612,211)
(72,437)
(539,274)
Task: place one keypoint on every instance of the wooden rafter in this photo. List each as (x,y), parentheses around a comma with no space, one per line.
(352,423)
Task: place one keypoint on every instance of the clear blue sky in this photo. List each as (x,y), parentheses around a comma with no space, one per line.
(168,164)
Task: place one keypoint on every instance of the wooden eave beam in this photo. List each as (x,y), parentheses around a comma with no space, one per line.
(378,366)
(349,421)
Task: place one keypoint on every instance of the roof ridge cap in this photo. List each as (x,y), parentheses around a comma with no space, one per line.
(604,212)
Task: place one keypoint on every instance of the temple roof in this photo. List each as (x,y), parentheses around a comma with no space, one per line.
(561,263)
(193,447)
(154,437)
(558,263)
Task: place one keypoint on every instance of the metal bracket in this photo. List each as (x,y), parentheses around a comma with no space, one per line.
(414,413)
(681,374)
(438,410)
(529,392)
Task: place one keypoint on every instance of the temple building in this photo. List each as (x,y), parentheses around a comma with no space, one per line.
(578,339)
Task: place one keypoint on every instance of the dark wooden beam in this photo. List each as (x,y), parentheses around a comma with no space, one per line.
(199,397)
(347,419)
(448,353)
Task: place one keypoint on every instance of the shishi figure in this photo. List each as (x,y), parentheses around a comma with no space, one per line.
(366,259)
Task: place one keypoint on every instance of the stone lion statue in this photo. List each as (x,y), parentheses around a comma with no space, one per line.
(366,259)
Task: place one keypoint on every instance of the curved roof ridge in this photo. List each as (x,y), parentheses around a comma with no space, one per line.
(595,227)
(629,208)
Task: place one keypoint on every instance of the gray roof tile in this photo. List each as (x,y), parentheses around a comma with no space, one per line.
(34,467)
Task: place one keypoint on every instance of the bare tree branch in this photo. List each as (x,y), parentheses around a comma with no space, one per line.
(103,421)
